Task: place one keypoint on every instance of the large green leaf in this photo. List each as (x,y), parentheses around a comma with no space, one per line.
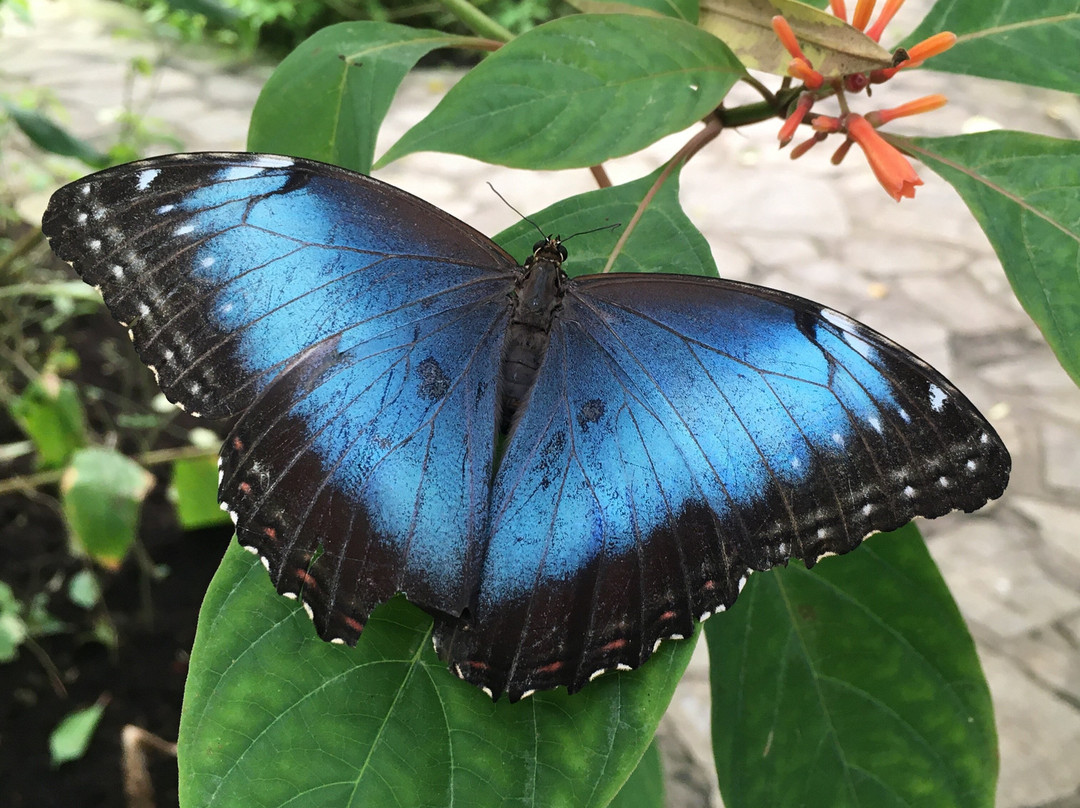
(855,684)
(645,788)
(833,47)
(1028,42)
(274,716)
(1024,190)
(577,91)
(679,9)
(664,240)
(328,98)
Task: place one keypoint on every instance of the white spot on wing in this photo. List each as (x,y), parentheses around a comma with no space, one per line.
(95,244)
(165,208)
(909,492)
(938,397)
(183,230)
(81,218)
(271,161)
(241,172)
(597,673)
(875,422)
(337,641)
(146,177)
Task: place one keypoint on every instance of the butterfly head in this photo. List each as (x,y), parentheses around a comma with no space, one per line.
(549,249)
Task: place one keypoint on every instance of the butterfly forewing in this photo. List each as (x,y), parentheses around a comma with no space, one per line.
(357,329)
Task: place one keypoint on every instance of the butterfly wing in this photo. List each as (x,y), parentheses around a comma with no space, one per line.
(683,432)
(358,330)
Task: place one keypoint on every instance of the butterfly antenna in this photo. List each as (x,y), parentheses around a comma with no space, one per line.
(594,230)
(518,212)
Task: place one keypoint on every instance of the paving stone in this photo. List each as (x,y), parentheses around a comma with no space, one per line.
(768,201)
(1059,529)
(892,256)
(960,302)
(781,250)
(1051,656)
(1038,750)
(1061,445)
(994,577)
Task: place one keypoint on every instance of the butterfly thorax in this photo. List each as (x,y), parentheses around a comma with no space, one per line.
(536,297)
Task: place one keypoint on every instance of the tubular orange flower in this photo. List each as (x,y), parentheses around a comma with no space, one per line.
(927,103)
(787,131)
(931,46)
(841,153)
(891,168)
(806,145)
(787,37)
(838,9)
(827,124)
(801,70)
(863,10)
(887,13)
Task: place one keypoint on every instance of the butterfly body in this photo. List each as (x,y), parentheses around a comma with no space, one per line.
(561,471)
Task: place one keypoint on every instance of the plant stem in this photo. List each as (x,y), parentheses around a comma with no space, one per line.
(477,20)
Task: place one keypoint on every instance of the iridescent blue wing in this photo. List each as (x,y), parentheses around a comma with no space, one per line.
(683,432)
(358,330)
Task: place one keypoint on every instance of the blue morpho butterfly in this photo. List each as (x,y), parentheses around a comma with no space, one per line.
(561,472)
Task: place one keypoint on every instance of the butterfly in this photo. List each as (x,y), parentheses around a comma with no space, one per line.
(562,472)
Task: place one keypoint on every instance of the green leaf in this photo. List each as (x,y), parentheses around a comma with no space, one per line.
(327,99)
(83,589)
(51,415)
(577,91)
(12,626)
(194,491)
(645,788)
(1031,43)
(1024,190)
(855,684)
(71,737)
(386,723)
(665,240)
(833,47)
(102,492)
(677,9)
(46,134)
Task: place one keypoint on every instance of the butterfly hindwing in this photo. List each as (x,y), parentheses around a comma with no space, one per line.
(683,432)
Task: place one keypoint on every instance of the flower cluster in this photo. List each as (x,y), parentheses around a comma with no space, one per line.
(889,165)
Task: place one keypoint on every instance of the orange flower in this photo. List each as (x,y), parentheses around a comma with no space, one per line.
(787,131)
(863,10)
(927,103)
(800,66)
(887,13)
(891,168)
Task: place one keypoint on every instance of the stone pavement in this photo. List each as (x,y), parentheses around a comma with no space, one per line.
(920,271)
